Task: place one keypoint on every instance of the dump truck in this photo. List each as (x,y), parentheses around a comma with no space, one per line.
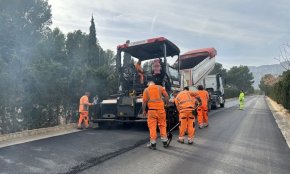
(195,66)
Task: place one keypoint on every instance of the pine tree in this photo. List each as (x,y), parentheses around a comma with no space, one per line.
(94,49)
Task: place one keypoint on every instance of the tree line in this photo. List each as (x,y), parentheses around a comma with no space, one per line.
(44,72)
(235,79)
(277,88)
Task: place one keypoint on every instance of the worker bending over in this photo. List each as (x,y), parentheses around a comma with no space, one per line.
(84,110)
(185,104)
(152,98)
(202,110)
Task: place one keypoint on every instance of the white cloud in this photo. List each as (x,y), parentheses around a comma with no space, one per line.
(153,23)
(250,32)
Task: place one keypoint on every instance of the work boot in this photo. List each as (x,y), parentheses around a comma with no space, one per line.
(200,126)
(205,125)
(190,142)
(165,141)
(180,141)
(151,146)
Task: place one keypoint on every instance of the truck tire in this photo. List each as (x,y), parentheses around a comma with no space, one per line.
(209,106)
(223,102)
(213,107)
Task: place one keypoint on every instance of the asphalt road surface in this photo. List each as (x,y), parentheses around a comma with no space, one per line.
(237,141)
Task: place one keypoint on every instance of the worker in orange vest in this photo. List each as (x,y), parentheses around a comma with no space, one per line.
(84,110)
(202,110)
(152,99)
(140,71)
(185,103)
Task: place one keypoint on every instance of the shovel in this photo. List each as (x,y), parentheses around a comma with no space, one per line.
(169,134)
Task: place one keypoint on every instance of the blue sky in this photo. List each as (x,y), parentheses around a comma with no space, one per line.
(244,32)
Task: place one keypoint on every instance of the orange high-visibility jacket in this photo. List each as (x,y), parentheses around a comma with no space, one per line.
(153,96)
(203,94)
(84,104)
(185,100)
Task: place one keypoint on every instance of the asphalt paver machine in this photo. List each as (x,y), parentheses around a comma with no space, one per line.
(126,106)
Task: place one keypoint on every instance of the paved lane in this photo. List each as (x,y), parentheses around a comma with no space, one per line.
(69,153)
(236,141)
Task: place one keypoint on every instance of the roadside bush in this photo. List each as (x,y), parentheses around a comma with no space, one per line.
(231,92)
(280,91)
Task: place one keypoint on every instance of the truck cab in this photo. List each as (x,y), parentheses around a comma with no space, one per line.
(214,85)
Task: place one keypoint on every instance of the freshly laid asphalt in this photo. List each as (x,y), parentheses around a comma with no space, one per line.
(70,153)
(236,141)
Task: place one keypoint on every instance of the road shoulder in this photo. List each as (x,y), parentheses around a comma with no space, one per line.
(282,117)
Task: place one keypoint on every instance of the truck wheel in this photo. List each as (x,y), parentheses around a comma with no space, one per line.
(213,107)
(222,105)
(209,108)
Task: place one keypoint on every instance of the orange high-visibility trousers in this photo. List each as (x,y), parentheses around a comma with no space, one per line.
(84,116)
(202,115)
(186,119)
(157,117)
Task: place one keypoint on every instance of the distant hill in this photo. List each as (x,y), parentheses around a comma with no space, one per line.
(260,71)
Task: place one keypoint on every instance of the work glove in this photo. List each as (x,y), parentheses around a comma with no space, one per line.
(95,102)
(166,105)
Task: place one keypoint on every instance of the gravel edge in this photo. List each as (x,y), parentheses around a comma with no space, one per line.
(282,117)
